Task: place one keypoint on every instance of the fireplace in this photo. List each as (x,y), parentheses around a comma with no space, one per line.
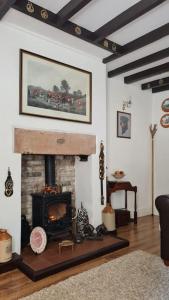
(65,148)
(53,212)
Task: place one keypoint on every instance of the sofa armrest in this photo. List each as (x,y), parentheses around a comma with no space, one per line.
(162,205)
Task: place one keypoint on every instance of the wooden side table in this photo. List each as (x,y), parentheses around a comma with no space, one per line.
(113,186)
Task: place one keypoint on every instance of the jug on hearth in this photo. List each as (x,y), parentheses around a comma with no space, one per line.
(5,246)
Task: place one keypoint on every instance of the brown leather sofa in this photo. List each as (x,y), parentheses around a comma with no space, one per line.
(162,205)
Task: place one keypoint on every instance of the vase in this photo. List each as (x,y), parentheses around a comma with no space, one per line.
(108,217)
(5,246)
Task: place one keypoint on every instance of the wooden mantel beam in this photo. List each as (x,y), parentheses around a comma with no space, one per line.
(127,16)
(50,142)
(70,9)
(147,73)
(5,6)
(140,42)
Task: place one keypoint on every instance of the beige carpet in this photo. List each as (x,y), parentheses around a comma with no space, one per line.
(135,276)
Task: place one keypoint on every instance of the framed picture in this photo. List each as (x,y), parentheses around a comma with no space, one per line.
(51,89)
(165,121)
(123,125)
(165,105)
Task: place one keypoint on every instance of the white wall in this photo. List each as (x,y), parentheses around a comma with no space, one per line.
(130,155)
(12,39)
(161,147)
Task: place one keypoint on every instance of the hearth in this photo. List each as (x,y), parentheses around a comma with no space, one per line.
(50,261)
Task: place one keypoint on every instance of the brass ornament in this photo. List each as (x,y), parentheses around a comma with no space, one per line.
(30,7)
(78,30)
(44,14)
(114,48)
(9,185)
(161,81)
(106,44)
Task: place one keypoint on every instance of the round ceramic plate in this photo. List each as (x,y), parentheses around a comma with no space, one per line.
(38,240)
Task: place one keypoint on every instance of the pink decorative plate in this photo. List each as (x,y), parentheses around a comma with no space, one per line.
(38,240)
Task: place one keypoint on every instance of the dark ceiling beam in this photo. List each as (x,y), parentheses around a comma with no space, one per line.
(70,9)
(160,89)
(155,83)
(126,17)
(140,62)
(50,18)
(5,6)
(147,73)
(140,42)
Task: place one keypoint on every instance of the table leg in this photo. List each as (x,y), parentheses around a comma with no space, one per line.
(125,199)
(135,210)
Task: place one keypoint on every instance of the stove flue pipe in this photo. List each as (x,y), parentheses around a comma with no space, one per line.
(50,179)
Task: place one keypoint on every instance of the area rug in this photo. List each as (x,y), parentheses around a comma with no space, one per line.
(135,276)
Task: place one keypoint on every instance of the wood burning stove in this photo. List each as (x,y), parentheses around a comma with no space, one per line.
(52,209)
(53,212)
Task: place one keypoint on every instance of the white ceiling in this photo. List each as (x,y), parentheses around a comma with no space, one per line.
(93,16)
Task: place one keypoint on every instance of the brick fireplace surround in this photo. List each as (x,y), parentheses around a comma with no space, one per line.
(33,146)
(33,178)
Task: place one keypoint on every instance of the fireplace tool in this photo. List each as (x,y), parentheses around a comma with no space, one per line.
(101,170)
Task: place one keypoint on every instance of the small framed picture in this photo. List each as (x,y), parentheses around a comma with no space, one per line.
(123,125)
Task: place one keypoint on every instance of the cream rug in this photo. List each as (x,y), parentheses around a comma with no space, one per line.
(135,276)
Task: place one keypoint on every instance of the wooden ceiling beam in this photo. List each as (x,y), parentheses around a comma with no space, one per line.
(127,16)
(160,89)
(70,9)
(140,62)
(50,18)
(155,83)
(5,6)
(140,42)
(147,73)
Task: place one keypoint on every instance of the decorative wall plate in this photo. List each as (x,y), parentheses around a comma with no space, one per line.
(38,240)
(165,121)
(165,105)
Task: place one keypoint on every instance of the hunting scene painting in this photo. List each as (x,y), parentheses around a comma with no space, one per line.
(54,90)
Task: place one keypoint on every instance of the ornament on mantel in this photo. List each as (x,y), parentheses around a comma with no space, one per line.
(9,185)
(118,174)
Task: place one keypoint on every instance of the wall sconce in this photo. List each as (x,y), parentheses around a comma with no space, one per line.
(126,104)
